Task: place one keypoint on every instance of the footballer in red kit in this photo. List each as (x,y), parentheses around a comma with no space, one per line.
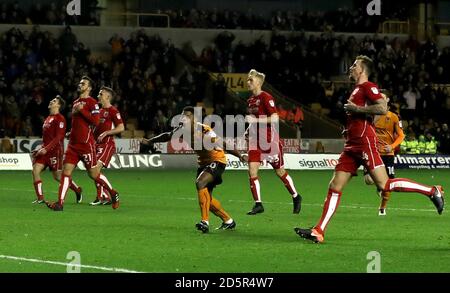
(50,154)
(264,142)
(110,124)
(361,149)
(85,117)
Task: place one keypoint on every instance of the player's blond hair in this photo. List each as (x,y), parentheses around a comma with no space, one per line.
(255,74)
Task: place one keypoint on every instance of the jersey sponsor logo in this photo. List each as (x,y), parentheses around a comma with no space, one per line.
(374,90)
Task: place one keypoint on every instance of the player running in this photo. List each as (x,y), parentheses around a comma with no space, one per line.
(261,106)
(50,154)
(211,161)
(85,116)
(390,135)
(361,149)
(110,124)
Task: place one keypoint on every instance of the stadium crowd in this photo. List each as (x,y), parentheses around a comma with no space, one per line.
(53,13)
(35,67)
(340,20)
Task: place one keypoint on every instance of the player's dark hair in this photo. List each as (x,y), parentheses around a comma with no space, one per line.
(367,63)
(61,102)
(91,82)
(188,109)
(109,90)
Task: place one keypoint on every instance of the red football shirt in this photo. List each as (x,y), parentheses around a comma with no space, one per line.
(361,125)
(263,105)
(109,118)
(84,121)
(53,131)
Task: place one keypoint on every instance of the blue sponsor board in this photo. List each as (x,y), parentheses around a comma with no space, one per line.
(422,162)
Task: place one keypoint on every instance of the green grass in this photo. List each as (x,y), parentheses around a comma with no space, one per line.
(153,231)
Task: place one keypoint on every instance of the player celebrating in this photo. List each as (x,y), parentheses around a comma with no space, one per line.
(390,135)
(51,152)
(261,106)
(109,125)
(361,148)
(212,163)
(85,116)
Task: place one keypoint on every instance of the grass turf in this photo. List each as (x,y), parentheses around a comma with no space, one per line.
(153,230)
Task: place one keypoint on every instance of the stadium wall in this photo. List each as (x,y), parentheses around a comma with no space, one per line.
(189,161)
(132,146)
(96,37)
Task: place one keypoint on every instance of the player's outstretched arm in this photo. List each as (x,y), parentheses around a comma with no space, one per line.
(220,143)
(163,137)
(271,119)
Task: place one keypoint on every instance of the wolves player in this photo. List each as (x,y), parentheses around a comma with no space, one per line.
(51,152)
(110,124)
(390,135)
(261,106)
(361,149)
(211,163)
(85,116)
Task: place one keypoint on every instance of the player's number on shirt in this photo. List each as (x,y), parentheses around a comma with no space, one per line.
(100,150)
(391,170)
(87,158)
(53,161)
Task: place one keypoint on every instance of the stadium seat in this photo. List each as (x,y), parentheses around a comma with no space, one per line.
(130,126)
(316,108)
(127,134)
(138,133)
(132,121)
(7,146)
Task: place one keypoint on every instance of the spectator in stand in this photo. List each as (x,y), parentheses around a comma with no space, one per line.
(444,139)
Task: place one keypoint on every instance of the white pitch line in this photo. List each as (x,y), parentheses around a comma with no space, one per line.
(10,257)
(269,202)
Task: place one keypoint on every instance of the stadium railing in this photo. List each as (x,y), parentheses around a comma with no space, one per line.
(136,19)
(395,27)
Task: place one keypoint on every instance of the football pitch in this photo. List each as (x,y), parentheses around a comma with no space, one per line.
(153,230)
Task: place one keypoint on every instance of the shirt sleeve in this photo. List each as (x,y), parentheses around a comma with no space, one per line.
(269,105)
(91,112)
(372,92)
(116,118)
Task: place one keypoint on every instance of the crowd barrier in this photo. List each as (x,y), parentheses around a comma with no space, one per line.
(22,161)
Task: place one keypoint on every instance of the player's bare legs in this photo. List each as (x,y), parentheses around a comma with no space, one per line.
(78,190)
(289,183)
(253,168)
(102,195)
(208,203)
(64,183)
(335,188)
(37,182)
(101,179)
(383,182)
